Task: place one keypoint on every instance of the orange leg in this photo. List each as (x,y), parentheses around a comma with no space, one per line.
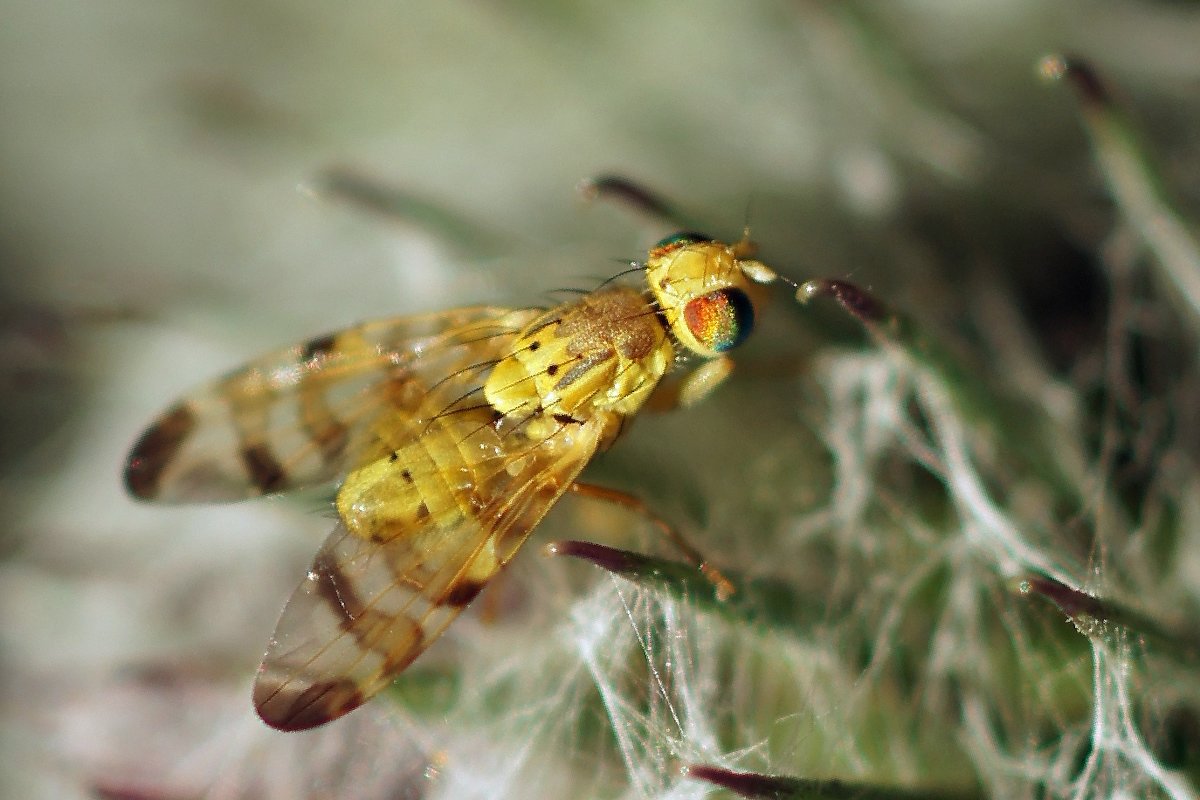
(724,587)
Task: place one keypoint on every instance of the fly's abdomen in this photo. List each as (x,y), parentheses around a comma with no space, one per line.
(425,491)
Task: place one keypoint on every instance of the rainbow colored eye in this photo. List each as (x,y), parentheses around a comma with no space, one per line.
(677,240)
(720,320)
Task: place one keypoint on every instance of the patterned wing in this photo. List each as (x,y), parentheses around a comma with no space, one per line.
(422,531)
(302,416)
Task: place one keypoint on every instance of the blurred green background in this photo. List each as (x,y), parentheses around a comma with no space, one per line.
(166,212)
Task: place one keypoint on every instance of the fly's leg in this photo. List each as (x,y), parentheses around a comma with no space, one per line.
(700,382)
(641,200)
(689,390)
(400,204)
(721,584)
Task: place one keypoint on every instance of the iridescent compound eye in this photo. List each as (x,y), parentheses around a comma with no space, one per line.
(720,320)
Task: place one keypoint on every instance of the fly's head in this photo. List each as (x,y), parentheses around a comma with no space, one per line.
(706,291)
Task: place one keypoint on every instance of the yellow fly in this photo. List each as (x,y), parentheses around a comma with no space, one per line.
(456,432)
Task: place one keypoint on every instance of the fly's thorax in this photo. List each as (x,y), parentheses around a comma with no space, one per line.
(703,292)
(605,352)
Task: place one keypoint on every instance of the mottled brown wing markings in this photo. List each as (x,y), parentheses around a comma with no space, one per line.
(319,346)
(320,422)
(262,470)
(330,656)
(401,394)
(297,417)
(157,447)
(318,704)
(249,395)
(335,589)
(330,665)
(325,660)
(461,593)
(355,650)
(372,630)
